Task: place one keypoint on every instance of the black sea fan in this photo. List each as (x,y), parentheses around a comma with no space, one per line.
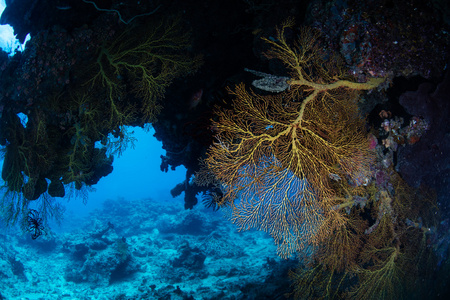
(35,224)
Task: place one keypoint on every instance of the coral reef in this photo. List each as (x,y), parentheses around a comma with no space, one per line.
(426,162)
(384,38)
(98,259)
(300,166)
(362,202)
(76,90)
(275,155)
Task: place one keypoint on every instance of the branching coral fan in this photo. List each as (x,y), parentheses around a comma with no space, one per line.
(275,154)
(110,76)
(297,165)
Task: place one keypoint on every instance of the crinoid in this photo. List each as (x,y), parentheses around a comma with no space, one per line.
(35,224)
(211,199)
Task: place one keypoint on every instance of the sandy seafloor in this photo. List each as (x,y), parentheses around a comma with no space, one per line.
(141,249)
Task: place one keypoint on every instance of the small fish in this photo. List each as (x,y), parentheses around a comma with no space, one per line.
(196,98)
(334,177)
(64,7)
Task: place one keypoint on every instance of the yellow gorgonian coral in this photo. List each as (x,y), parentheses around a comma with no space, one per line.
(275,154)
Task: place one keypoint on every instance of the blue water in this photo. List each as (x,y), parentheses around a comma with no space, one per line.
(136,175)
(132,240)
